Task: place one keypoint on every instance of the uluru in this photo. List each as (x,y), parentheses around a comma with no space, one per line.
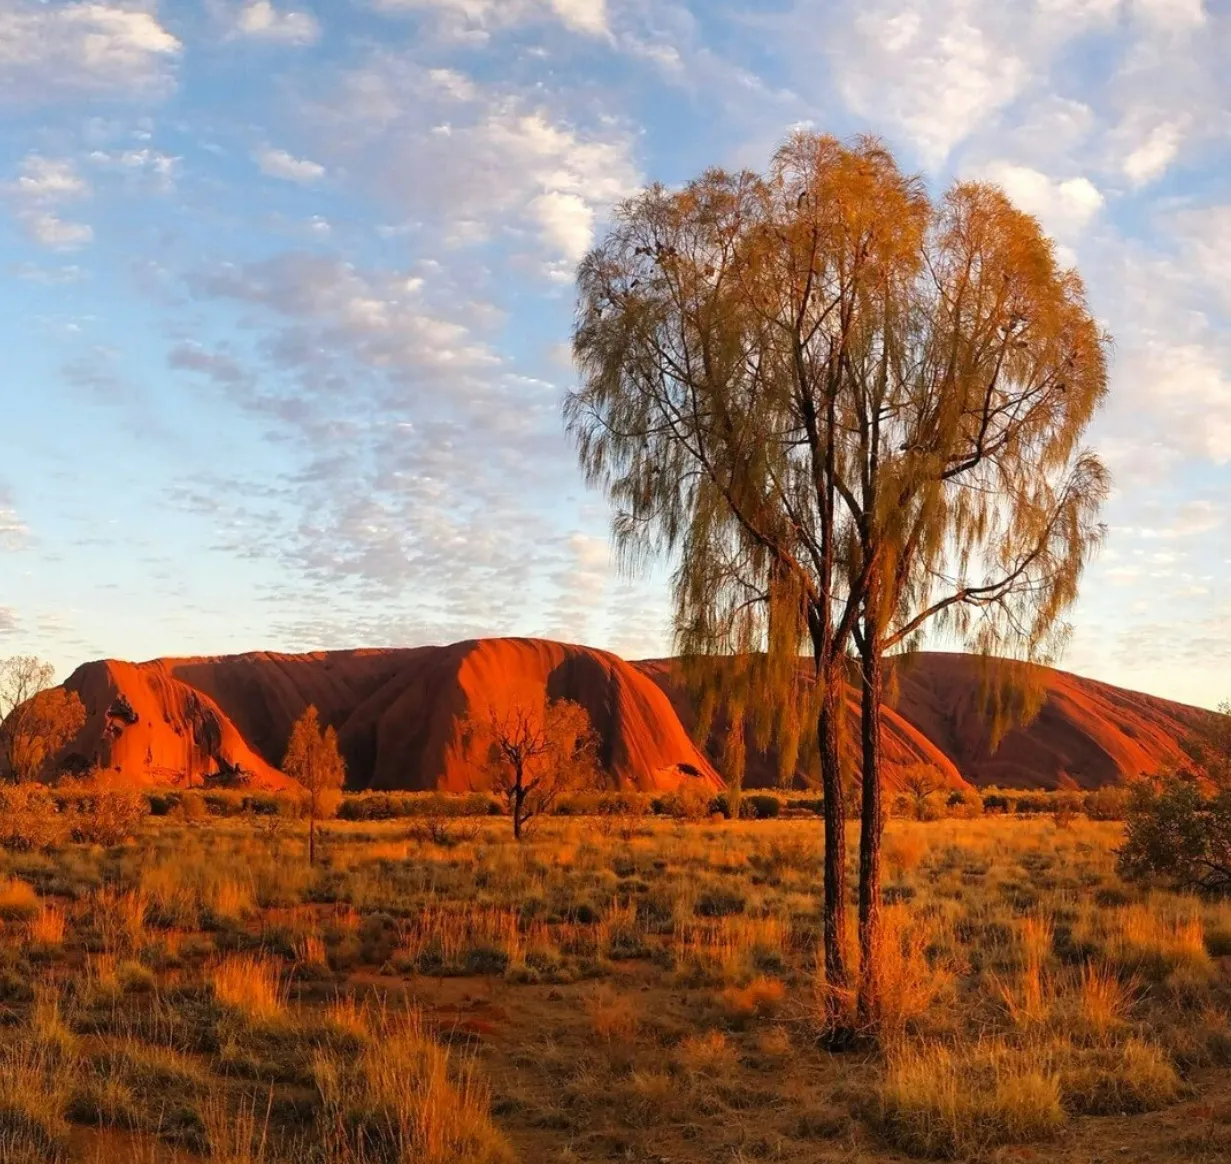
(400,714)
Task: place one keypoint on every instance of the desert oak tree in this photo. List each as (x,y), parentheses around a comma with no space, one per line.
(313,760)
(807,388)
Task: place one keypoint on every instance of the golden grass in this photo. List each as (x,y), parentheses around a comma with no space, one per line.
(761,998)
(1104,1001)
(33,1096)
(46,928)
(18,900)
(947,1103)
(613,1016)
(1023,988)
(404,1097)
(250,986)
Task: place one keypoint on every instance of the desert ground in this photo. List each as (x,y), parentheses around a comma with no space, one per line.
(623,988)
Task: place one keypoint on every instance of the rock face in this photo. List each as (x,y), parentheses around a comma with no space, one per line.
(147,728)
(400,716)
(1087,734)
(905,746)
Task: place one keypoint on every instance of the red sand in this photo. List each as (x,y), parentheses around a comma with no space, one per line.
(399,715)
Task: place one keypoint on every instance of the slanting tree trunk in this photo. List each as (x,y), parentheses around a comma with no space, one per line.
(837,975)
(871,827)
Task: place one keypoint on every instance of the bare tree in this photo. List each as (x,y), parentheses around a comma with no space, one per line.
(36,719)
(533,754)
(313,759)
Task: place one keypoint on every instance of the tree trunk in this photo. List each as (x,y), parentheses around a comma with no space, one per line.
(837,975)
(871,827)
(517,799)
(312,839)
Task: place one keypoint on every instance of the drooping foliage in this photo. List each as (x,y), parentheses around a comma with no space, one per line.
(847,413)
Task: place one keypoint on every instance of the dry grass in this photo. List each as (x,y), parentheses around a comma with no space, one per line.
(614,1017)
(403,1098)
(250,986)
(46,928)
(596,994)
(945,1103)
(761,998)
(18,900)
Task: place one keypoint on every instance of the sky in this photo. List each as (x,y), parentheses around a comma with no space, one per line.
(286,295)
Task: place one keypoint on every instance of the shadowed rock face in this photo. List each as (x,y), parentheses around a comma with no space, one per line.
(1087,734)
(400,717)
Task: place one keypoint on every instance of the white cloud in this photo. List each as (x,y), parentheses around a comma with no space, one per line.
(567,223)
(49,51)
(280,164)
(13,531)
(474,160)
(1171,15)
(49,178)
(152,168)
(1063,206)
(41,186)
(467,18)
(1153,153)
(54,232)
(935,73)
(260,20)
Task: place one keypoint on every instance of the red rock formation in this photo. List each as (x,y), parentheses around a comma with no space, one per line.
(399,713)
(904,745)
(147,727)
(1087,734)
(400,717)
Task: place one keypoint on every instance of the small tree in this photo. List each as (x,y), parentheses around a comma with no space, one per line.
(1209,745)
(534,755)
(36,719)
(313,759)
(1176,833)
(921,782)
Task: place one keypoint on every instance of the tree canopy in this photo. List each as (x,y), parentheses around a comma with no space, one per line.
(845,411)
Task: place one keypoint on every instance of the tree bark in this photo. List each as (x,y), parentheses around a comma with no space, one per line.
(837,975)
(312,839)
(871,827)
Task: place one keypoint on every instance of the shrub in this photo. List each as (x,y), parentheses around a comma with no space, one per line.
(760,806)
(964,804)
(30,818)
(1177,834)
(107,816)
(688,802)
(1106,804)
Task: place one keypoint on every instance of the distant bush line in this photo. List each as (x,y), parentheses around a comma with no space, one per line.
(687,803)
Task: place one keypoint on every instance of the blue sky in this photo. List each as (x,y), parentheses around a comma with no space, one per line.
(285,294)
